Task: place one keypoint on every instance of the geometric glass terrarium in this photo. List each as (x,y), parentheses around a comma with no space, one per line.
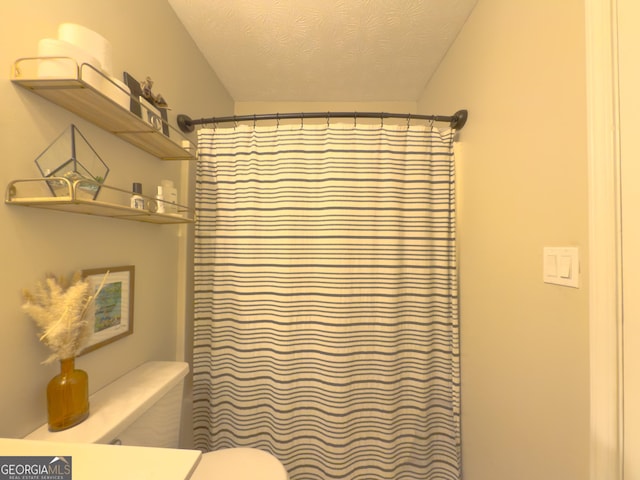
(72,157)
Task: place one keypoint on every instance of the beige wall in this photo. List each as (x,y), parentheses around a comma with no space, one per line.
(147,39)
(519,68)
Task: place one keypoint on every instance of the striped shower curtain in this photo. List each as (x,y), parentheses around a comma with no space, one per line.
(326,317)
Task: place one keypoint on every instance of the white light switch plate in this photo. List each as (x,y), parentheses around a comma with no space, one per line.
(561,266)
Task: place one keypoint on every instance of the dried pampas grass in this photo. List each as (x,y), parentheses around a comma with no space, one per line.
(58,306)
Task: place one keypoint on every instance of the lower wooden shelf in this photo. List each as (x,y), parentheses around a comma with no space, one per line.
(58,193)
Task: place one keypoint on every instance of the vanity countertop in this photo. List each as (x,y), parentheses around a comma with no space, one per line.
(107,462)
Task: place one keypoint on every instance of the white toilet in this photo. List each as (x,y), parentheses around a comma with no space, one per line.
(143,408)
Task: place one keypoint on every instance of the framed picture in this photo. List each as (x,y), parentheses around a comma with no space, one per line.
(143,108)
(111,313)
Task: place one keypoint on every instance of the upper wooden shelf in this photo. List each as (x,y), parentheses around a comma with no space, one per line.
(78,94)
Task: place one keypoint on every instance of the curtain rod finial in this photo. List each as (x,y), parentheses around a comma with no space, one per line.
(184,123)
(459,119)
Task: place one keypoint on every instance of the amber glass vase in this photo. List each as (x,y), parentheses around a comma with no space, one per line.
(67,397)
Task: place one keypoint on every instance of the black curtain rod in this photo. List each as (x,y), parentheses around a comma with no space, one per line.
(456,121)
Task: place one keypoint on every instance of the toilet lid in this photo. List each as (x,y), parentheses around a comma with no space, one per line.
(239,464)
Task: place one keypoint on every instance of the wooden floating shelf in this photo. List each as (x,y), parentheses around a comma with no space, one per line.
(77,197)
(77,94)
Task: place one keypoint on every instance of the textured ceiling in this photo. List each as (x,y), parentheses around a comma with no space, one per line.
(323,50)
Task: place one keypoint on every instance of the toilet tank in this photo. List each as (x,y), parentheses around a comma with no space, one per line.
(143,407)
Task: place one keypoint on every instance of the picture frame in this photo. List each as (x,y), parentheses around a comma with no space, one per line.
(111,313)
(137,106)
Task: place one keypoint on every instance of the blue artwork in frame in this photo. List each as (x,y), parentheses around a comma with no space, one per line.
(111,314)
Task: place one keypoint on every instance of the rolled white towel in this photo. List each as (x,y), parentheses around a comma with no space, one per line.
(66,67)
(92,42)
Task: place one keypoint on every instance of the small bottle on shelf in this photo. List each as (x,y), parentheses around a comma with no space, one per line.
(137,201)
(160,200)
(170,195)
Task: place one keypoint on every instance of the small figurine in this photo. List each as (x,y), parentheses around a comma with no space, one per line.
(157,100)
